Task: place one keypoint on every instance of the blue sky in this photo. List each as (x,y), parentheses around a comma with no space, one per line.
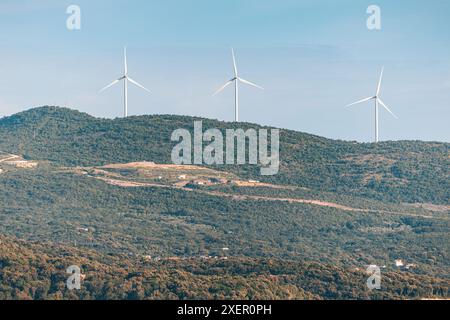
(313,58)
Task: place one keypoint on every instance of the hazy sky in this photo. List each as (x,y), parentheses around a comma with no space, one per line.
(312,56)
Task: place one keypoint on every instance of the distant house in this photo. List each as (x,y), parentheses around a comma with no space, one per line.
(399,263)
(173,258)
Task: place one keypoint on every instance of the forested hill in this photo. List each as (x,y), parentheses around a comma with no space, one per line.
(38,271)
(403,171)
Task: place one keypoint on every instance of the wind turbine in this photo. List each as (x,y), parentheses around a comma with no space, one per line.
(125,79)
(236,79)
(378,101)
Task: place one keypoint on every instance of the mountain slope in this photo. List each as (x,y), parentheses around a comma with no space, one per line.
(37,271)
(404,171)
(53,204)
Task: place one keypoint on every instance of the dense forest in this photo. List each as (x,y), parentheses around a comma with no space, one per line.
(38,271)
(308,233)
(408,171)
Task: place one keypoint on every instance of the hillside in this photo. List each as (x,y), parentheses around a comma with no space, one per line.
(105,190)
(404,171)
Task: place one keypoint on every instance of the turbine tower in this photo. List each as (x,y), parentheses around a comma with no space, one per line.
(236,79)
(378,101)
(125,79)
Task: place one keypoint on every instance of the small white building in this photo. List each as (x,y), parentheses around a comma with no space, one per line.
(399,263)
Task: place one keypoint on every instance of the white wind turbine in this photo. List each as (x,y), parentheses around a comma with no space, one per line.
(236,79)
(125,79)
(377,99)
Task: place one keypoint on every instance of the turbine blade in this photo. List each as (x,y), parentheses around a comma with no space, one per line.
(379,81)
(382,103)
(250,83)
(111,84)
(223,87)
(138,84)
(360,101)
(125,60)
(234,63)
